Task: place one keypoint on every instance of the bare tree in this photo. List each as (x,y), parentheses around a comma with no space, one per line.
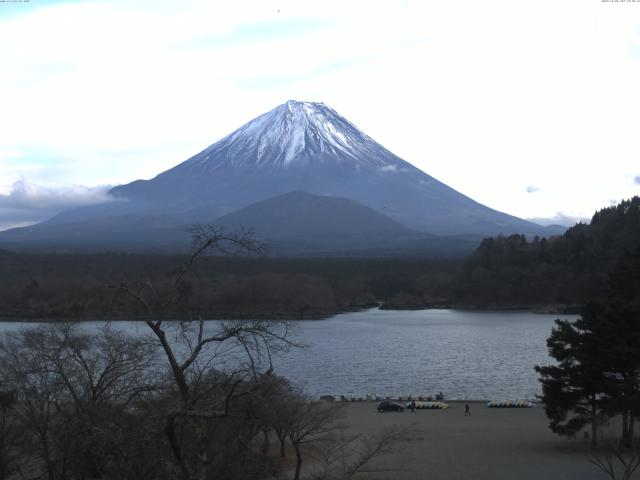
(10,435)
(193,348)
(104,368)
(278,404)
(25,371)
(342,457)
(103,375)
(71,389)
(96,405)
(310,422)
(617,460)
(318,429)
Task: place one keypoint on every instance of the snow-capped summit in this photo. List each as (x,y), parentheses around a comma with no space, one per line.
(294,133)
(300,147)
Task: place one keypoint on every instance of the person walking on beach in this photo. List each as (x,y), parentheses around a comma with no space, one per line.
(467,412)
(413,406)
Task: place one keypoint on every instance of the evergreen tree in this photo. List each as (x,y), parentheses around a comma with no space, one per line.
(620,352)
(622,347)
(598,355)
(573,391)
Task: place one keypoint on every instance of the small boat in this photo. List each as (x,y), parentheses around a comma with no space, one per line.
(425,405)
(511,404)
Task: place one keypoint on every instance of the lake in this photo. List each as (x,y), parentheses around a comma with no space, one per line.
(465,354)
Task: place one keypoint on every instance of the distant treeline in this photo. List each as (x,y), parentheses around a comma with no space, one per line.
(565,270)
(504,272)
(81,286)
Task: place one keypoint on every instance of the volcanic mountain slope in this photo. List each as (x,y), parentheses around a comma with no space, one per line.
(288,216)
(339,227)
(302,146)
(298,146)
(294,224)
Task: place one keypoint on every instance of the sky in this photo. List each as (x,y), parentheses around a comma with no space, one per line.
(529,107)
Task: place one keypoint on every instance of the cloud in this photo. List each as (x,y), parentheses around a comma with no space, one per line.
(560,218)
(211,66)
(27,203)
(532,189)
(29,196)
(636,179)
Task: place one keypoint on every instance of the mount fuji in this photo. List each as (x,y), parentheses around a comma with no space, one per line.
(296,147)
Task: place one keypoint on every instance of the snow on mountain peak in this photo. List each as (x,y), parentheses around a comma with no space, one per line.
(293,133)
(295,127)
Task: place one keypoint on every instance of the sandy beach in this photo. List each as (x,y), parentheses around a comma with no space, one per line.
(491,444)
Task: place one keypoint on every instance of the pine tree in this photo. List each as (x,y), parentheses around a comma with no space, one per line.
(598,371)
(573,391)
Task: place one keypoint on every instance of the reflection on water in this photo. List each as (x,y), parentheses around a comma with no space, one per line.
(465,354)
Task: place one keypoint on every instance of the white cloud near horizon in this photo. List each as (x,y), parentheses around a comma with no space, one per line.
(489,97)
(30,196)
(560,218)
(26,203)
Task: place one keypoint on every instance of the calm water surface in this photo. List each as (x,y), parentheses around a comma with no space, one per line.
(465,354)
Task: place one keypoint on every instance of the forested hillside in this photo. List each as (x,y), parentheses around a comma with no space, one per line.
(565,270)
(78,286)
(559,273)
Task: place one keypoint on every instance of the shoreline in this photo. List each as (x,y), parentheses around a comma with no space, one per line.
(402,400)
(538,310)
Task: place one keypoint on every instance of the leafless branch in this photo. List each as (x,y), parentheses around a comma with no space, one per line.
(616,460)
